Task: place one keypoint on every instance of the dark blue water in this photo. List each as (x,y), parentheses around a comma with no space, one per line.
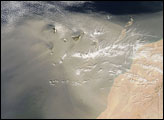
(119,7)
(26,104)
(109,7)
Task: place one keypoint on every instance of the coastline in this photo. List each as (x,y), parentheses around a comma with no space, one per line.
(139,92)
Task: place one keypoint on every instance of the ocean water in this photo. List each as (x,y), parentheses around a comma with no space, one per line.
(59,59)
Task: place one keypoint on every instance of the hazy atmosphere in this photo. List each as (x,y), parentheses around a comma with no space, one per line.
(60,59)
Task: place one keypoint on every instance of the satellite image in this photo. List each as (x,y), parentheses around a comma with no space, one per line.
(81,59)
